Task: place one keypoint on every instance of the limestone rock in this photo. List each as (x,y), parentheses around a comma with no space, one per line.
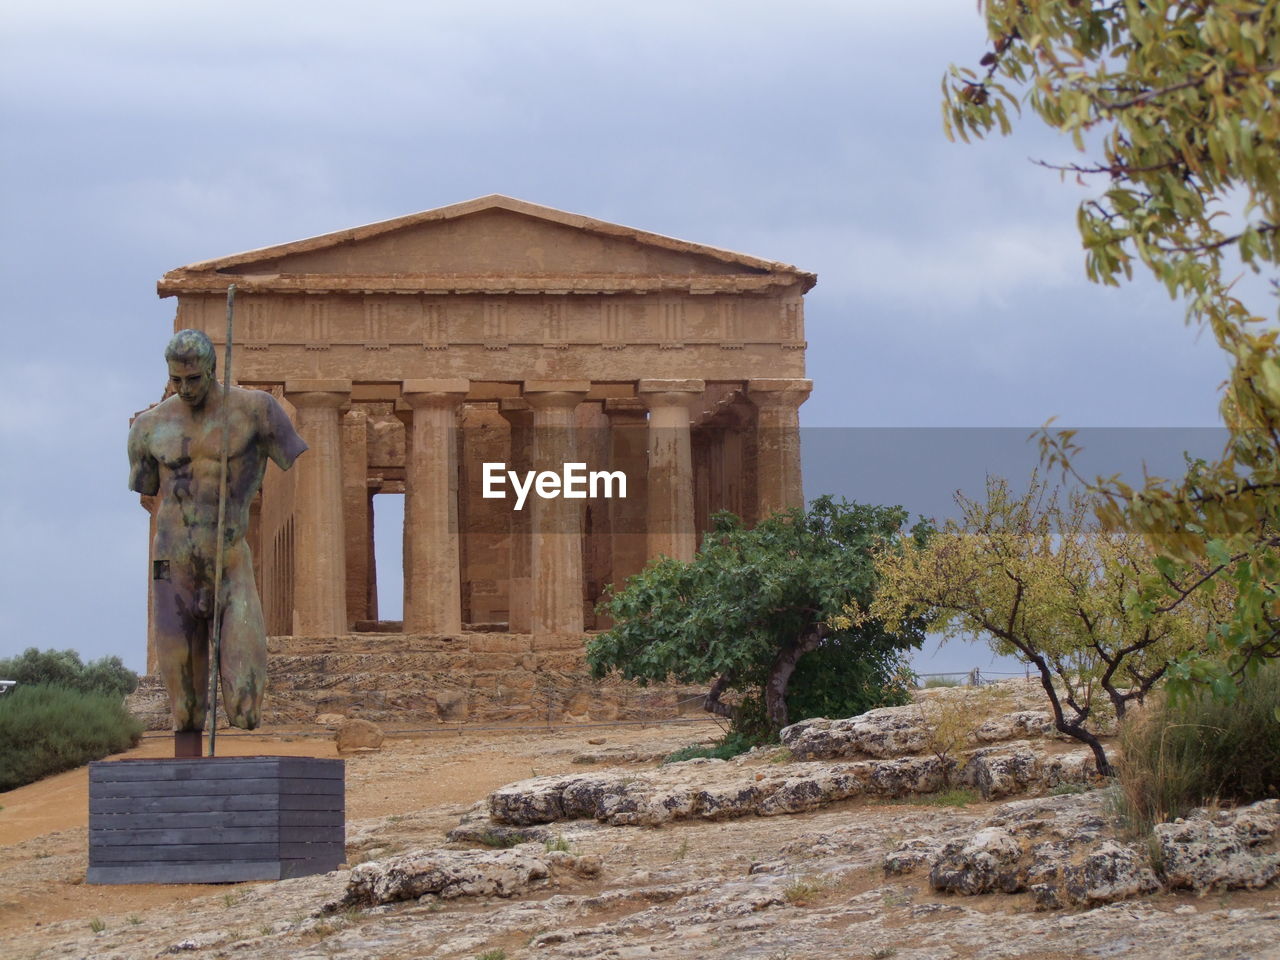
(1064,851)
(1112,871)
(1227,850)
(989,860)
(447,874)
(884,732)
(1016,726)
(358,735)
(1001,772)
(897,731)
(722,790)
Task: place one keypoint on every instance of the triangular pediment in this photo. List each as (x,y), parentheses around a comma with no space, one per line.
(491,240)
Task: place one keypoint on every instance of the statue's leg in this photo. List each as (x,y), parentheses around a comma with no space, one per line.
(244,642)
(181,646)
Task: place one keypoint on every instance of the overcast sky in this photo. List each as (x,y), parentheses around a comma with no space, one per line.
(141,136)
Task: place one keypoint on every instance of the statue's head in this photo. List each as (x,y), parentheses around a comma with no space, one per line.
(192,362)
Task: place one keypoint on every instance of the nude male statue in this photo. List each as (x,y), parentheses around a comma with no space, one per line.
(175,449)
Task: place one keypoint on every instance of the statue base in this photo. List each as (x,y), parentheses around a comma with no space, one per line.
(215,819)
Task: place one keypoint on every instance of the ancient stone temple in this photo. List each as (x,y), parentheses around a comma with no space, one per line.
(430,354)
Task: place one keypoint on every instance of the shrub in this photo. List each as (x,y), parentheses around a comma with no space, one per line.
(758,614)
(731,746)
(1178,755)
(63,668)
(47,729)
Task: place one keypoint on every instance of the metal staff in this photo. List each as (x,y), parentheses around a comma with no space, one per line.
(215,626)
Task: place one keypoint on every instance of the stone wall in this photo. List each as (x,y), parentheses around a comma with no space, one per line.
(400,680)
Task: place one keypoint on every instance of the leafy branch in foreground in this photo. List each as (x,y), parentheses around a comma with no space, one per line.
(1177,105)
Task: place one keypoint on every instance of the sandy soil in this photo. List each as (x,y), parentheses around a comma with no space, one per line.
(44,825)
(669,892)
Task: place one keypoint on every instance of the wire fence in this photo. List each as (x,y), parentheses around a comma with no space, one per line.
(968,678)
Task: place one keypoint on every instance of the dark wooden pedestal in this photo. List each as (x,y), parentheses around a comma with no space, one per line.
(215,819)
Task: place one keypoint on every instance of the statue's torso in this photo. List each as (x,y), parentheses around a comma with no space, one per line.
(187,446)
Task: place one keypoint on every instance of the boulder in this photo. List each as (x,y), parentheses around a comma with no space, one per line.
(353,735)
(989,860)
(1224,850)
(1067,853)
(1016,726)
(884,732)
(998,772)
(448,874)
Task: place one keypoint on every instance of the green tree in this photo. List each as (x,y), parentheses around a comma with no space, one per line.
(1043,582)
(754,608)
(1175,107)
(64,668)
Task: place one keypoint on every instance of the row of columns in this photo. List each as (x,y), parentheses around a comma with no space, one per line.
(546,562)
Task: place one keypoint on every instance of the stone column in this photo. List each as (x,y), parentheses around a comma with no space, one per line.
(320,579)
(671,522)
(519,415)
(778,480)
(628,452)
(355,513)
(432,574)
(556,561)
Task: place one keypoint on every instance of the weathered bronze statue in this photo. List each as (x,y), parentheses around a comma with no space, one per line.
(175,450)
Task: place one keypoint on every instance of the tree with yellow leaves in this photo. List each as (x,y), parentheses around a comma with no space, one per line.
(1175,107)
(1043,581)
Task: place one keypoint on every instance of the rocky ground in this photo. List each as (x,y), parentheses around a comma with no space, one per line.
(574,843)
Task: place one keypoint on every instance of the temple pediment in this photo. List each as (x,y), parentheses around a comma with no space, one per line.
(494,244)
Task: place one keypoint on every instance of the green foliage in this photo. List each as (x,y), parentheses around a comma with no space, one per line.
(1201,749)
(958,797)
(63,668)
(559,844)
(47,729)
(1177,105)
(731,746)
(1042,581)
(756,603)
(846,677)
(501,841)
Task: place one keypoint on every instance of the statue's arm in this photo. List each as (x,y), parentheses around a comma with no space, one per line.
(283,445)
(144,470)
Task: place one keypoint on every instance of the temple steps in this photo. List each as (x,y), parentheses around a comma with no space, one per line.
(412,681)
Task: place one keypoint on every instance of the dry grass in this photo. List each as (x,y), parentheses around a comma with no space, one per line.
(1179,756)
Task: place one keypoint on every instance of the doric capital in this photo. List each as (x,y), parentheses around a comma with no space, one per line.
(552,394)
(779,393)
(625,410)
(434,393)
(318,393)
(516,411)
(670,393)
